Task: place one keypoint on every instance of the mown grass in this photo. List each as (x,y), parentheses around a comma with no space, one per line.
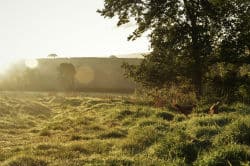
(43,130)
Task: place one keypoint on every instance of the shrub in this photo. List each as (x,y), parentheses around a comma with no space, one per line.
(183,93)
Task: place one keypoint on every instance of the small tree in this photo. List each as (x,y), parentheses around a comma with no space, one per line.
(52,56)
(112,56)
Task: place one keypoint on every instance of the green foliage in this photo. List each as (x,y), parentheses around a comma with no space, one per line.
(168,95)
(187,39)
(227,82)
(52,56)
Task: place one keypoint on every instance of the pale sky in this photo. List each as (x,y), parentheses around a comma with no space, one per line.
(36,28)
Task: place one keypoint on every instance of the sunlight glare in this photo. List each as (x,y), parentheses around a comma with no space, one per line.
(5,64)
(85,75)
(31,63)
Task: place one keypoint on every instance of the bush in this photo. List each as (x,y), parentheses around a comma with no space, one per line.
(183,93)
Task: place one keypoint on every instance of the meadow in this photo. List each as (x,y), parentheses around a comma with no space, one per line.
(40,129)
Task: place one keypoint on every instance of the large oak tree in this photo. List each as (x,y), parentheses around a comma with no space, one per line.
(187,36)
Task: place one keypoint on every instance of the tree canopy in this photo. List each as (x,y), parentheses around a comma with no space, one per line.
(187,37)
(52,56)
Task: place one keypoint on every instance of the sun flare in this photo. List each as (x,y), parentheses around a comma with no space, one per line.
(31,63)
(5,64)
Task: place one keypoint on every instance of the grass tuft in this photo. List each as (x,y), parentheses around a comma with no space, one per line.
(165,115)
(228,155)
(238,132)
(25,161)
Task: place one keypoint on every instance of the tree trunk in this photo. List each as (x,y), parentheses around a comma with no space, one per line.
(197,66)
(195,48)
(197,80)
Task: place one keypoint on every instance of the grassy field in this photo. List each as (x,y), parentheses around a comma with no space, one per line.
(39,129)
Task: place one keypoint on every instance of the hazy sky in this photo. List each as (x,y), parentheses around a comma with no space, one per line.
(36,28)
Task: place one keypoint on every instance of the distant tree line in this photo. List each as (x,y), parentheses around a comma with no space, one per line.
(76,74)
